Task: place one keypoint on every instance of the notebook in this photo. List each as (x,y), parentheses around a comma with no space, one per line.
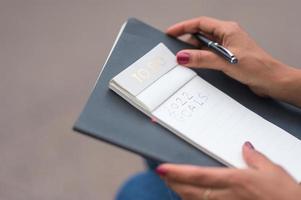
(111,119)
(181,101)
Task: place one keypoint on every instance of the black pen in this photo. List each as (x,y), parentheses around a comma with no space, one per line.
(217,48)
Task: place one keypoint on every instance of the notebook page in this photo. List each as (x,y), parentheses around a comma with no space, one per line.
(146,70)
(217,124)
(164,87)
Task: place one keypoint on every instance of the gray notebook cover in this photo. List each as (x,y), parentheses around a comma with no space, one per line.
(109,118)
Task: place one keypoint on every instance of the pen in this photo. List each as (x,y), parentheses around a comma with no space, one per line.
(228,55)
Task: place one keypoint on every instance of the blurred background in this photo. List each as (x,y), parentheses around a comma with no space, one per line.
(51,52)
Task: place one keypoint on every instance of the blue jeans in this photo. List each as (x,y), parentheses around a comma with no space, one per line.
(146,186)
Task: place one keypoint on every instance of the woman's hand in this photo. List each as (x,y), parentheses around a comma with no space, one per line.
(262,73)
(263,180)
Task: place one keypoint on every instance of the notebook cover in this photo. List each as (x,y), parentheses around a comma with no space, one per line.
(109,118)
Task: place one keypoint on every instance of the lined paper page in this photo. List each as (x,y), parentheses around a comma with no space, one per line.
(217,124)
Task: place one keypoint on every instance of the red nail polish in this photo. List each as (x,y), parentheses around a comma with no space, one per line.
(249,145)
(183,58)
(154,120)
(160,171)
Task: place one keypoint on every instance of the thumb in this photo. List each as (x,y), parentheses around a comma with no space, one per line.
(255,159)
(200,59)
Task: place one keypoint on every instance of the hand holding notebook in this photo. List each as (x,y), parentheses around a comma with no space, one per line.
(201,114)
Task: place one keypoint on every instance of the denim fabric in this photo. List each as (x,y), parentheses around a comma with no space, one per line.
(145,186)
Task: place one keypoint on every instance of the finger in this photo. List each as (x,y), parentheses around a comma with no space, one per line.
(255,159)
(190,192)
(191,40)
(224,194)
(199,176)
(186,191)
(207,25)
(201,59)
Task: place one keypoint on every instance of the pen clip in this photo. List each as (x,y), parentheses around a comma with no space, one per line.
(231,55)
(224,49)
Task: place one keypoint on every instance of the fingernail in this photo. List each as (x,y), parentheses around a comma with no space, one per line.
(183,58)
(154,120)
(249,145)
(160,171)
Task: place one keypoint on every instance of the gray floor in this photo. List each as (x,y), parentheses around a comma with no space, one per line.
(50,54)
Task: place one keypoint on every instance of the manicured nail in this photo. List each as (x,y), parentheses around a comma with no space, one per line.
(160,171)
(154,120)
(249,145)
(183,58)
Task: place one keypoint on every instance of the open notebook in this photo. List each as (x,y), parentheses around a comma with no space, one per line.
(181,101)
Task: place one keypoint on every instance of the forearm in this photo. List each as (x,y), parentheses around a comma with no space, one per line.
(294,87)
(289,86)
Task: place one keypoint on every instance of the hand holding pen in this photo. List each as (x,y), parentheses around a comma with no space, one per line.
(255,68)
(219,49)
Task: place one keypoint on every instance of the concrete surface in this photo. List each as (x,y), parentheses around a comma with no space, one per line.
(50,54)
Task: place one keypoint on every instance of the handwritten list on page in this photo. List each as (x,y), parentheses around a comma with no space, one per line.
(201,114)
